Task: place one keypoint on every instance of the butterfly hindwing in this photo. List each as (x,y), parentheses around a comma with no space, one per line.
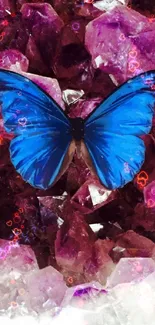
(41,129)
(112,131)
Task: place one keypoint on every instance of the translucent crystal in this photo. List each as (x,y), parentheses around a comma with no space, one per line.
(134,303)
(131,270)
(24,289)
(97,194)
(41,296)
(92,195)
(15,262)
(71,96)
(74,292)
(12,256)
(46,289)
(109,4)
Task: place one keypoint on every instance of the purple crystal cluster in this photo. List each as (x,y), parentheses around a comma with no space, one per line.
(79,53)
(42,297)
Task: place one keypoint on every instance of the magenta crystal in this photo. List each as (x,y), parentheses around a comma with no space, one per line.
(36,63)
(4,5)
(44,25)
(13,60)
(51,86)
(121,42)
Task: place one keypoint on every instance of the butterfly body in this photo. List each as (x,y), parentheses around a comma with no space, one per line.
(77,128)
(45,138)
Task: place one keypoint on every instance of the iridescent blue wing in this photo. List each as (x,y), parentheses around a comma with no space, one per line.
(41,129)
(112,131)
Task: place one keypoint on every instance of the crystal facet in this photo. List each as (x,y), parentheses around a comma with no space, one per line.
(131,270)
(127,53)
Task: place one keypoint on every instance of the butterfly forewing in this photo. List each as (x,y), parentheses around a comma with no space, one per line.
(113,130)
(42,131)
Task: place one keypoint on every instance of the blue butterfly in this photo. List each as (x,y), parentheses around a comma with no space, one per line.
(46,138)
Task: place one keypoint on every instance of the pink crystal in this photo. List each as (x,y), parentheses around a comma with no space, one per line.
(20,258)
(44,25)
(92,195)
(88,10)
(56,203)
(100,265)
(79,256)
(13,60)
(149,195)
(73,178)
(131,244)
(4,5)
(131,239)
(73,244)
(23,284)
(48,201)
(77,174)
(51,86)
(128,51)
(36,63)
